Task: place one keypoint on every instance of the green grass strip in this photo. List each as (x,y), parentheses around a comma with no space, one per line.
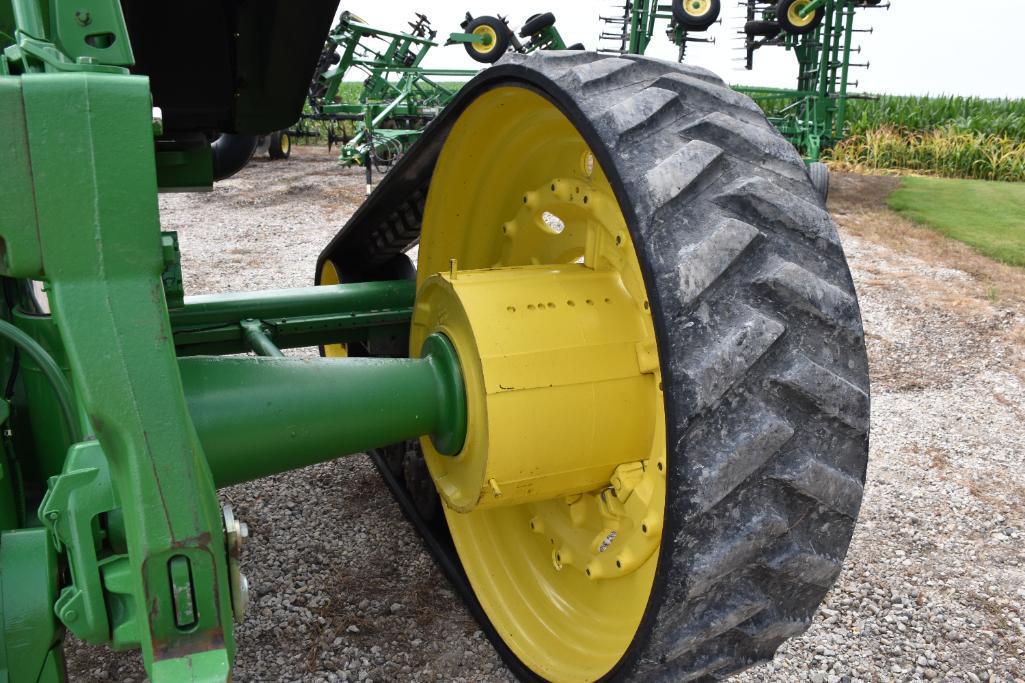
(986,215)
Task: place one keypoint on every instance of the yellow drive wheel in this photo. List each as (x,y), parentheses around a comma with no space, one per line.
(663,359)
(562,546)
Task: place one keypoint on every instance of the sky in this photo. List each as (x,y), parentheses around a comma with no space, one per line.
(917,47)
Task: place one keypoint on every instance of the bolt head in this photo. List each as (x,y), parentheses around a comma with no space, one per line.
(83,18)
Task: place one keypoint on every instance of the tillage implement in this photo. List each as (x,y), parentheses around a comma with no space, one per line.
(623,394)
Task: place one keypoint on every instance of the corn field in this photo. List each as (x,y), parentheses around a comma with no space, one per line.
(944,152)
(957,137)
(1004,118)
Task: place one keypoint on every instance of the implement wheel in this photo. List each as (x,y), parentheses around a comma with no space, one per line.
(536,24)
(696,15)
(664,364)
(280,145)
(788,15)
(495,32)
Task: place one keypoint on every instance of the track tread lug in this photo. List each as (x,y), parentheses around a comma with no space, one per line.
(803,290)
(671,180)
(733,548)
(606,72)
(827,485)
(768,205)
(755,142)
(715,619)
(731,352)
(648,109)
(742,447)
(771,627)
(801,564)
(828,392)
(701,264)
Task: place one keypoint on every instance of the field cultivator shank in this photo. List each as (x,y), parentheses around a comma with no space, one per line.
(623,395)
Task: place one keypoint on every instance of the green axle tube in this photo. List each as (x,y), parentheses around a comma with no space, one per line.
(261,416)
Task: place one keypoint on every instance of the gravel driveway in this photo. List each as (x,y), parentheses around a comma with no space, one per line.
(933,588)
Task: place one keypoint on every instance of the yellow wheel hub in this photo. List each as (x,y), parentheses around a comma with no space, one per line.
(793,14)
(556,501)
(488,46)
(286,143)
(697,8)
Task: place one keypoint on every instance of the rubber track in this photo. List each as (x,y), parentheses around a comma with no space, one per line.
(761,346)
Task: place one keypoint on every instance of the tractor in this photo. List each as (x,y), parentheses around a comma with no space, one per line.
(622,394)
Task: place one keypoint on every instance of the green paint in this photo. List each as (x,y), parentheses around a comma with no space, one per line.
(29,639)
(986,215)
(312,316)
(398,93)
(261,416)
(813,115)
(98,417)
(102,257)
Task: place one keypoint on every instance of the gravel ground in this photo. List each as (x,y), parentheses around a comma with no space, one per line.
(933,588)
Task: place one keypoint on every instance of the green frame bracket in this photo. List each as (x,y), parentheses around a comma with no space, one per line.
(90,140)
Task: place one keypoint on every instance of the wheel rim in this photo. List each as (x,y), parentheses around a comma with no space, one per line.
(548,205)
(794,17)
(286,143)
(488,32)
(329,276)
(697,8)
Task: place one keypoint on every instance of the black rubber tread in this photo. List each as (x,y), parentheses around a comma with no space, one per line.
(230,153)
(758,27)
(536,23)
(819,174)
(761,348)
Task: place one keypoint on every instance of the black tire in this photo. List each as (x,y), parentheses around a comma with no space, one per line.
(696,22)
(496,50)
(818,172)
(420,484)
(280,145)
(536,24)
(760,340)
(576,46)
(767,29)
(787,25)
(230,153)
(394,457)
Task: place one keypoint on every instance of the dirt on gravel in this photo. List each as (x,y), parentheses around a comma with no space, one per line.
(933,587)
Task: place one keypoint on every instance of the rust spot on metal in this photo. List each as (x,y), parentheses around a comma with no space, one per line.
(188,644)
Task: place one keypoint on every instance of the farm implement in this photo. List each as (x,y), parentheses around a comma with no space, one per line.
(623,393)
(399,95)
(631,31)
(820,33)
